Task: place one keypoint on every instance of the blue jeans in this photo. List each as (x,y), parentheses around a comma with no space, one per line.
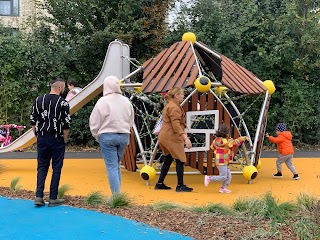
(48,148)
(113,146)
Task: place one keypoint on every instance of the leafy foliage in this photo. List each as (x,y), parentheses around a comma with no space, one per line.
(70,41)
(263,37)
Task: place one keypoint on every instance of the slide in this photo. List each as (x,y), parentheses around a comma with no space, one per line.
(115,63)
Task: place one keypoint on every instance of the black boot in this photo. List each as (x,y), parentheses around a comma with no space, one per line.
(161,186)
(183,188)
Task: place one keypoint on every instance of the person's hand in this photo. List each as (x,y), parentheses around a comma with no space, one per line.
(188,143)
(267,135)
(247,138)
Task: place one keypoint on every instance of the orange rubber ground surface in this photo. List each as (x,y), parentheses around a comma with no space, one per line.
(87,175)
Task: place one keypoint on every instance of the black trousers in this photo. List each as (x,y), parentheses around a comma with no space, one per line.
(48,148)
(167,161)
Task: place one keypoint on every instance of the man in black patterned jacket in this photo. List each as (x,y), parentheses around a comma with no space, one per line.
(50,120)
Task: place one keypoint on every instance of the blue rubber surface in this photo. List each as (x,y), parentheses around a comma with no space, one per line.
(20,219)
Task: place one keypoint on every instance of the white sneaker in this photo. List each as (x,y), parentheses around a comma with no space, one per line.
(206,180)
(224,190)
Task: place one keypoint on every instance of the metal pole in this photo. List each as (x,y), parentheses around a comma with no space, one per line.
(255,143)
(208,50)
(132,74)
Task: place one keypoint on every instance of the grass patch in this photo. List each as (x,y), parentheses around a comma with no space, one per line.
(95,198)
(249,206)
(306,201)
(214,208)
(63,190)
(259,233)
(118,200)
(14,184)
(164,206)
(306,229)
(277,212)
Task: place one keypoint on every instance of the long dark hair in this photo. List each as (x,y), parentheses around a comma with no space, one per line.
(73,83)
(223,131)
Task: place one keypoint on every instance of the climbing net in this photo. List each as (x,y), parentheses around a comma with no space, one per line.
(148,109)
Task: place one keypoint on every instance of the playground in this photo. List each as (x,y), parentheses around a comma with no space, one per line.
(215,85)
(85,175)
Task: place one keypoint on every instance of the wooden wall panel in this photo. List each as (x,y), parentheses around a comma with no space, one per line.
(204,161)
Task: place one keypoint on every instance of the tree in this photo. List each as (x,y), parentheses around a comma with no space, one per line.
(274,39)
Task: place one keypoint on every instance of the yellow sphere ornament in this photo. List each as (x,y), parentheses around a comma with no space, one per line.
(189,36)
(202,84)
(148,173)
(220,90)
(270,86)
(250,172)
(259,164)
(138,89)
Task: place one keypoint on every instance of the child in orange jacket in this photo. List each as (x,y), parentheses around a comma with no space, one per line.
(285,149)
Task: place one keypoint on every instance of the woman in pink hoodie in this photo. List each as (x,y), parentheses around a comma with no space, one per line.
(110,123)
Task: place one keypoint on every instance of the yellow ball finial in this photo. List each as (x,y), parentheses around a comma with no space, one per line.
(259,164)
(270,86)
(250,172)
(189,36)
(148,173)
(138,89)
(220,90)
(202,84)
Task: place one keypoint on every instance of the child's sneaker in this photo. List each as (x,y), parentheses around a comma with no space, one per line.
(224,190)
(206,180)
(277,175)
(295,177)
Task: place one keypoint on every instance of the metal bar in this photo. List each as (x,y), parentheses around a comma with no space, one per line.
(132,74)
(255,143)
(153,154)
(216,84)
(187,98)
(136,133)
(208,50)
(131,85)
(200,73)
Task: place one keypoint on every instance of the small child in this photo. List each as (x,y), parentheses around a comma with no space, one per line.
(223,148)
(285,149)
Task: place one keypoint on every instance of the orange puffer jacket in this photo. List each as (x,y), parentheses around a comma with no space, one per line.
(283,140)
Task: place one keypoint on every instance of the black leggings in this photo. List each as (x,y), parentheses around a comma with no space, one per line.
(167,161)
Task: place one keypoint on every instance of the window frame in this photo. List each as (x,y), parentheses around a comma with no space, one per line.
(14,8)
